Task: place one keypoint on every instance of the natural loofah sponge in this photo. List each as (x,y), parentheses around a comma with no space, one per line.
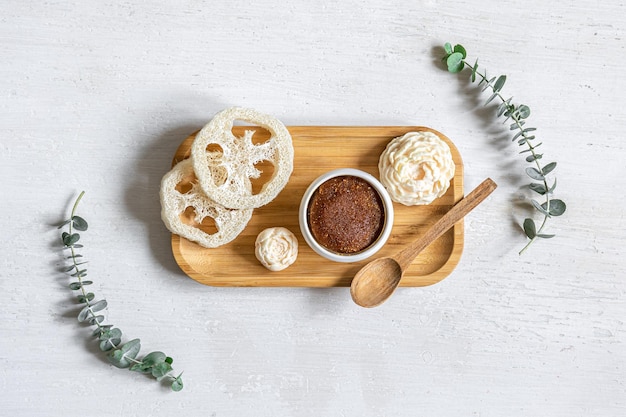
(225,174)
(228,222)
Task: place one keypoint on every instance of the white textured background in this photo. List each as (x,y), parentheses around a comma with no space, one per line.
(97,95)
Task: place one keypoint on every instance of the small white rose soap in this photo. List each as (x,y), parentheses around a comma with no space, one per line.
(276,248)
(416,168)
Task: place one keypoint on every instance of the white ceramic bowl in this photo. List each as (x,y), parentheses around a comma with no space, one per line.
(342,257)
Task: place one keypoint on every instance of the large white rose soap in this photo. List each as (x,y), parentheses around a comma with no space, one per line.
(416,168)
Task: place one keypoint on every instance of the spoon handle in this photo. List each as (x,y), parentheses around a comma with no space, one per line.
(406,256)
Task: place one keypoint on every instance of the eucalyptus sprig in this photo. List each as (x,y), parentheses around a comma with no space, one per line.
(455,60)
(121,355)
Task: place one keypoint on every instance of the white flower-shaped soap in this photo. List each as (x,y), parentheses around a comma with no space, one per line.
(416,168)
(276,248)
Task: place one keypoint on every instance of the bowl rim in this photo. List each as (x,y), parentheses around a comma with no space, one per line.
(370,250)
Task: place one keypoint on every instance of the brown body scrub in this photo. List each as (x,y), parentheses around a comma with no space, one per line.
(346,214)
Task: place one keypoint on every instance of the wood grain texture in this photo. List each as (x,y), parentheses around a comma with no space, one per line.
(319,149)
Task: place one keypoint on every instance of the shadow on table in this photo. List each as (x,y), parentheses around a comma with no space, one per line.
(142,194)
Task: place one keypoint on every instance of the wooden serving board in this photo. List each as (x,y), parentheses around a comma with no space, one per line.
(319,149)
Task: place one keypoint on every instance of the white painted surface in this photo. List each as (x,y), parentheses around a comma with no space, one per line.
(97,95)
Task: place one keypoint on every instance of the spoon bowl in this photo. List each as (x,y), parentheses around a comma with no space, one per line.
(368,290)
(378,279)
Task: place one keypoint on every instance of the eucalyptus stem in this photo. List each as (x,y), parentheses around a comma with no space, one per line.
(121,355)
(456,61)
(75,264)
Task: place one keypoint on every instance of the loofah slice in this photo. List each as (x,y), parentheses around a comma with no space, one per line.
(225,164)
(180,191)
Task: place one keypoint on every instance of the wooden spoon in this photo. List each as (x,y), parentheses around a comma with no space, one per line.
(378,279)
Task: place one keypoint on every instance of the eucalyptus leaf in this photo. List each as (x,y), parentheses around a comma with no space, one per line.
(117,358)
(160,370)
(545,236)
(154,357)
(553,187)
(123,356)
(461,50)
(86,298)
(141,368)
(533,157)
(501,109)
(84,313)
(148,362)
(524,111)
(70,239)
(65,223)
(110,339)
(79,223)
(455,62)
(131,348)
(534,173)
(96,320)
(489,83)
(78,285)
(90,309)
(556,208)
(490,99)
(101,329)
(517,135)
(99,305)
(549,168)
(499,83)
(111,333)
(177,384)
(529,228)
(538,188)
(510,109)
(474,70)
(540,207)
(108,344)
(483,79)
(523,132)
(504,107)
